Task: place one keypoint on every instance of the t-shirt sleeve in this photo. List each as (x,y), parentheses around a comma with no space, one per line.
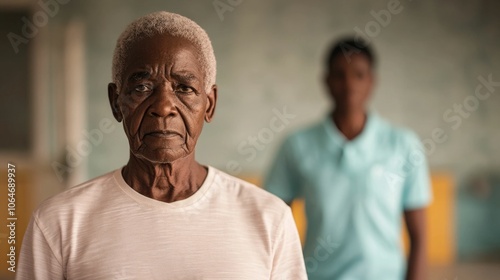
(282,179)
(417,187)
(37,259)
(288,261)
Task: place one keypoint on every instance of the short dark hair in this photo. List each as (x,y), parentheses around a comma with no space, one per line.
(347,46)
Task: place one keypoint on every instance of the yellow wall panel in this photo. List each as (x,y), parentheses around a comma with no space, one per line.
(24,207)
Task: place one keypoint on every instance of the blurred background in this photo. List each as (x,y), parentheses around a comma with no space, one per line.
(57,128)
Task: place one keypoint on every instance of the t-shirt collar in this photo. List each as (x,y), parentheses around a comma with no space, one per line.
(180,204)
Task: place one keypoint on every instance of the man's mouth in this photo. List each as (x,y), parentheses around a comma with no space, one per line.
(163,134)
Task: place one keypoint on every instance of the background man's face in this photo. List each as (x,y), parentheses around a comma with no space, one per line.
(350,81)
(162,100)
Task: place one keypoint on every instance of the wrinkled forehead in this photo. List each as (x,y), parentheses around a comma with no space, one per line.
(162,51)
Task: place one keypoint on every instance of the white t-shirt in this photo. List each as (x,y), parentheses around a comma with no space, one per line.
(103,229)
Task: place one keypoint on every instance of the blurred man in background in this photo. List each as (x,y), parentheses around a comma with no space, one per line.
(358,175)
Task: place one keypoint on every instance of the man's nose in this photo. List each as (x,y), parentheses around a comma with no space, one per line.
(163,102)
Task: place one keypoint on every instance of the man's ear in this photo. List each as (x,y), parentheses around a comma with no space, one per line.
(211,104)
(113,101)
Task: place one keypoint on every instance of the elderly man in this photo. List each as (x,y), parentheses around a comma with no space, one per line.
(163,215)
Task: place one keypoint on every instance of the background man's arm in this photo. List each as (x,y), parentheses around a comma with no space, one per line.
(417,196)
(417,261)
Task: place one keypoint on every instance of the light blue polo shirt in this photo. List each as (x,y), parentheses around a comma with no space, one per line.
(355,194)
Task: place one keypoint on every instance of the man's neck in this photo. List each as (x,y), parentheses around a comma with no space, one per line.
(350,123)
(167,182)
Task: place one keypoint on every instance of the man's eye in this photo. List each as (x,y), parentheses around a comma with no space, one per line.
(142,88)
(184,89)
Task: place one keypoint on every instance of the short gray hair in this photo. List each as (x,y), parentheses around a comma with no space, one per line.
(166,23)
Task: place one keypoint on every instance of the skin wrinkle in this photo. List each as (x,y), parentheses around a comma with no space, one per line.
(177,109)
(134,135)
(163,167)
(187,135)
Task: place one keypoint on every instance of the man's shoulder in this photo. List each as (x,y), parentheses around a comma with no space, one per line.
(303,137)
(308,131)
(75,196)
(247,194)
(397,135)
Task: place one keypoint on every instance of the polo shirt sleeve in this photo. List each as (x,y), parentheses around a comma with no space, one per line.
(417,187)
(282,179)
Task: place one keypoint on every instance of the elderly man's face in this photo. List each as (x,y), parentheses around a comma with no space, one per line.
(162,100)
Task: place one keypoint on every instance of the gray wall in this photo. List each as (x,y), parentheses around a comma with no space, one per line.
(269,56)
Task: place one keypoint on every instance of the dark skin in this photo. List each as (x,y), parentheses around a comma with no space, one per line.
(163,104)
(350,84)
(416,221)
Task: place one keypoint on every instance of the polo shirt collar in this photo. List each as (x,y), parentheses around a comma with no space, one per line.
(362,142)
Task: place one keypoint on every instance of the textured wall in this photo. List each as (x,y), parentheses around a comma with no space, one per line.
(269,56)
